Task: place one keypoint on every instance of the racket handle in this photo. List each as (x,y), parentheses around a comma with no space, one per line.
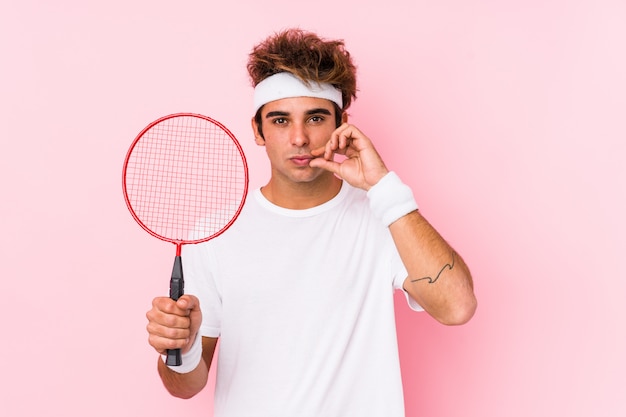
(174,358)
(177,283)
(177,289)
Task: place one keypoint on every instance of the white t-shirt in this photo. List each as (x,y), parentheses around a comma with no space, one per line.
(302,301)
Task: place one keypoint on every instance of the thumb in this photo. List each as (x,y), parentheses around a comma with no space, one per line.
(188,302)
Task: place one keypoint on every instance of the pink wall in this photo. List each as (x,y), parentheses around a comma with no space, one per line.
(507,118)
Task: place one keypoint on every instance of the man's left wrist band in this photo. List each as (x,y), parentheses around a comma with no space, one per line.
(391,199)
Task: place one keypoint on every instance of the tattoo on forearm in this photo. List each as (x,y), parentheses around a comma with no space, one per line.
(446,266)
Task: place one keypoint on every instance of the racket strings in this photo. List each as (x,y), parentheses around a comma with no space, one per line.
(185,178)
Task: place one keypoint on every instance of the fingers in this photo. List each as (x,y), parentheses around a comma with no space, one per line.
(362,166)
(339,142)
(173,324)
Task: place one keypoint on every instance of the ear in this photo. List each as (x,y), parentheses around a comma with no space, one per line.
(255,130)
(344,117)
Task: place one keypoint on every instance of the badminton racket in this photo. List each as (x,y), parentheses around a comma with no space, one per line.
(185,181)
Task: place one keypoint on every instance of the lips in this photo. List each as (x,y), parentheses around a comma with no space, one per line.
(301,160)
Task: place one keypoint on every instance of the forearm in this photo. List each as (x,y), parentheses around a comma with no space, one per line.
(183,385)
(438,278)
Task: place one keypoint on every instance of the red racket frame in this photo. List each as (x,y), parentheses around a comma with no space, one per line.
(180,242)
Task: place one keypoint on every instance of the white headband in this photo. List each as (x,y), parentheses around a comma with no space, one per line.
(285,85)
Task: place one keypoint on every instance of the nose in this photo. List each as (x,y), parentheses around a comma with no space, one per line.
(299,136)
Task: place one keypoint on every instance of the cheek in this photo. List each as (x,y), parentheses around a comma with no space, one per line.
(320,137)
(271,147)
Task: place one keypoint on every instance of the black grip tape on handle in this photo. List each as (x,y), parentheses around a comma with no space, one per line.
(177,289)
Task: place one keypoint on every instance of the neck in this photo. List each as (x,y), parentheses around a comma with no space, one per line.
(302,195)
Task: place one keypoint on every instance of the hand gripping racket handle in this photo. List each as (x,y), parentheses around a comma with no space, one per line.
(177,289)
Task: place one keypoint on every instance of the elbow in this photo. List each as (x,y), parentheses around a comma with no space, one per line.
(181,393)
(460,313)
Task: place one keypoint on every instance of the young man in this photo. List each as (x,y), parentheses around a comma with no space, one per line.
(299,290)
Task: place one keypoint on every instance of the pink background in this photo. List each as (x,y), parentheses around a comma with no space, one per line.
(507,117)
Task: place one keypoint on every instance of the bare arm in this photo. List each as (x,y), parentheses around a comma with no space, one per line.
(438,278)
(189,384)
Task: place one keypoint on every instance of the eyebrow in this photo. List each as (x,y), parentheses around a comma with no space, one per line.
(319,110)
(275,114)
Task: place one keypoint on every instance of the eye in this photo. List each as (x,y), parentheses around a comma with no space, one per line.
(316,119)
(279,121)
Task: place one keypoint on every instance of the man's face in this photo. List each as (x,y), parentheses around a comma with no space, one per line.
(292,127)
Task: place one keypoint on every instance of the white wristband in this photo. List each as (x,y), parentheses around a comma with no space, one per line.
(391,199)
(191,359)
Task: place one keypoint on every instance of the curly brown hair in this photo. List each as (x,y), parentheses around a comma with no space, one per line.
(307,56)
